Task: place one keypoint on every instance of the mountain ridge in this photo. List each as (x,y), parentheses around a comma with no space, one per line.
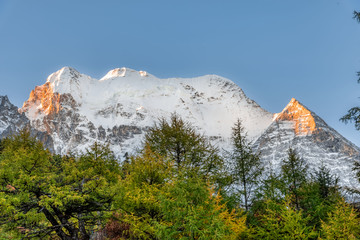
(76,110)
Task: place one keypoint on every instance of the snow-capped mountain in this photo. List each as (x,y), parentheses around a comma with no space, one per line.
(77,110)
(301,129)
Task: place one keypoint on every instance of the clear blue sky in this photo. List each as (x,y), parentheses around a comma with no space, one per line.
(274,50)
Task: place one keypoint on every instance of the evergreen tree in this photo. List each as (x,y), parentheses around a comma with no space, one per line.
(327,182)
(353,114)
(271,188)
(155,203)
(192,152)
(319,196)
(357,17)
(44,195)
(137,200)
(343,223)
(191,210)
(294,172)
(247,167)
(283,221)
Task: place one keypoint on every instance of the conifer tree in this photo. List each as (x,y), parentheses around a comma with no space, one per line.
(319,196)
(343,223)
(272,187)
(294,172)
(283,221)
(192,210)
(353,114)
(247,167)
(44,195)
(155,203)
(179,141)
(327,183)
(357,16)
(137,200)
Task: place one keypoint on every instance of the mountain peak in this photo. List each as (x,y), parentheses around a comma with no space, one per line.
(5,102)
(123,72)
(300,115)
(4,99)
(63,73)
(117,72)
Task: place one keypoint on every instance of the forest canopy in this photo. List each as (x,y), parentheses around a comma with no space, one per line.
(169,190)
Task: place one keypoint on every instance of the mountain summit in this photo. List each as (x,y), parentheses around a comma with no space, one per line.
(301,129)
(300,115)
(75,110)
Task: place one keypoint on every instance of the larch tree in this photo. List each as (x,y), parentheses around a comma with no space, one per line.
(294,172)
(353,114)
(343,223)
(191,151)
(247,166)
(283,221)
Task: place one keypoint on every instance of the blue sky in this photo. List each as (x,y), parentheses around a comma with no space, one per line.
(274,50)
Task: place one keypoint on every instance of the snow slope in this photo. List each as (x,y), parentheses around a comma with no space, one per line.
(125,97)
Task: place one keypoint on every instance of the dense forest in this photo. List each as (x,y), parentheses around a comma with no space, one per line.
(179,186)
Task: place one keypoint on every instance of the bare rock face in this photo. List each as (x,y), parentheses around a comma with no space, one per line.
(71,131)
(299,128)
(11,121)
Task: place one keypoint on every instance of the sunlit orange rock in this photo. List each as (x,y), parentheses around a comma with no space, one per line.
(46,101)
(300,115)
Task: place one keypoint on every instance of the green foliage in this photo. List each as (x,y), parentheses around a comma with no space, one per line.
(319,196)
(191,211)
(191,152)
(353,114)
(294,173)
(139,191)
(357,16)
(283,221)
(343,223)
(247,167)
(44,195)
(272,187)
(155,200)
(327,183)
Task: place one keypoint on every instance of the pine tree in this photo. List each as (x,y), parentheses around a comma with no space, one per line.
(294,172)
(247,167)
(319,196)
(157,201)
(343,223)
(191,210)
(327,182)
(272,187)
(357,17)
(353,114)
(283,221)
(137,200)
(191,152)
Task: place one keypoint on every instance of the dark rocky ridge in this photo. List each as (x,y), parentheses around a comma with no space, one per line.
(11,121)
